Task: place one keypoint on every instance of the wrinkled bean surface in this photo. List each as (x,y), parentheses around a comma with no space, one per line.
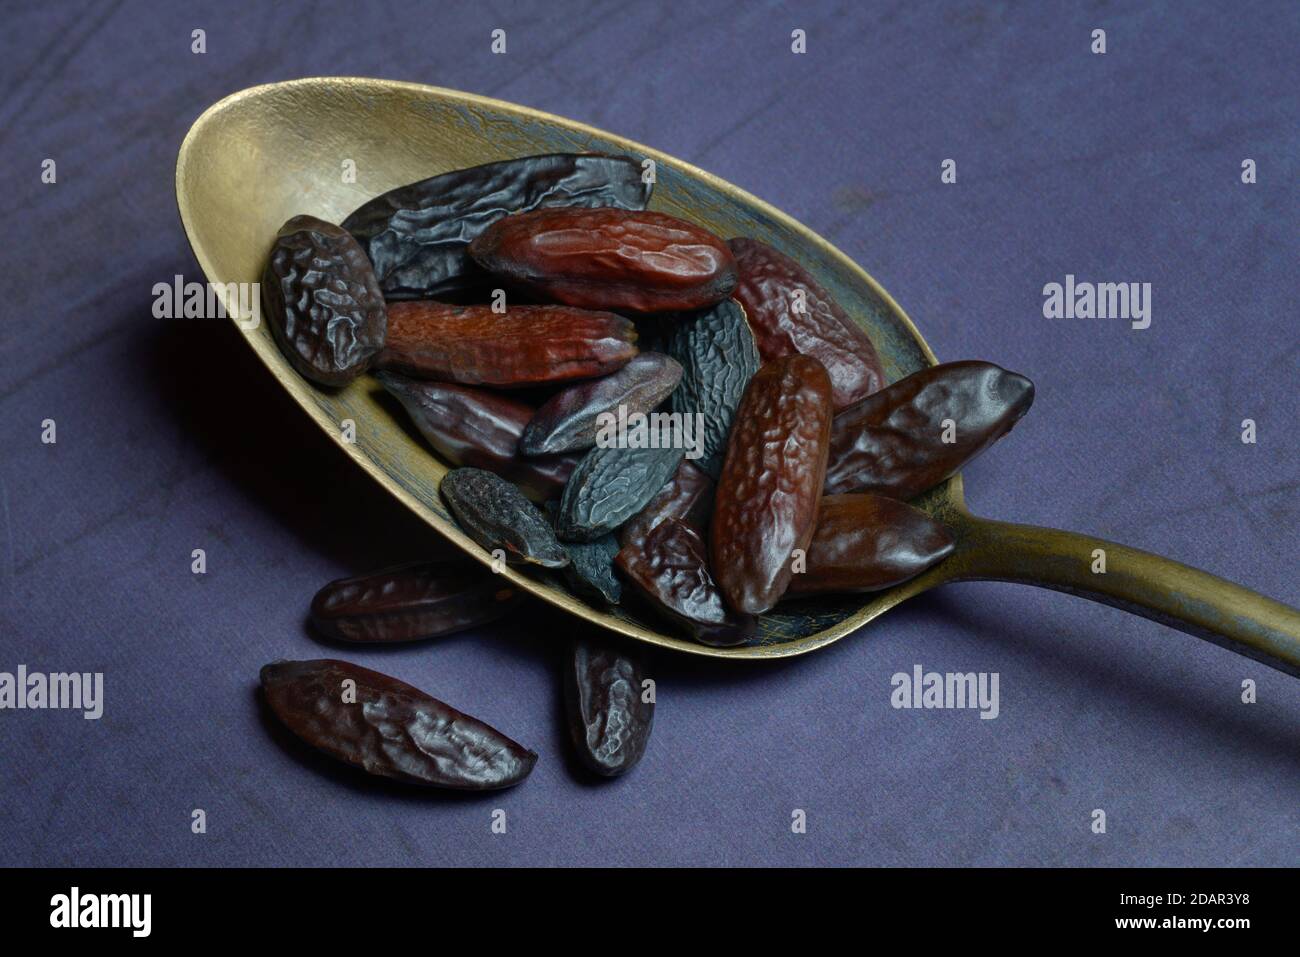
(322,301)
(388,728)
(766,504)
(418,236)
(718,356)
(609,486)
(609,720)
(571,419)
(628,261)
(524,346)
(670,572)
(893,442)
(497,515)
(791,313)
(413,601)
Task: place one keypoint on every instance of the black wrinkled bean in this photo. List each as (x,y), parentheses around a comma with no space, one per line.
(590,572)
(718,356)
(497,515)
(609,486)
(418,236)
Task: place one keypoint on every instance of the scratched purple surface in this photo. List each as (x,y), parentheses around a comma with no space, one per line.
(1122,167)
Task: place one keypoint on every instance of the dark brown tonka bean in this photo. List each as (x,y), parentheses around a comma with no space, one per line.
(611,485)
(590,572)
(608,716)
(670,572)
(765,507)
(481,429)
(412,602)
(570,419)
(322,301)
(868,542)
(687,497)
(388,728)
(525,346)
(892,442)
(496,515)
(718,357)
(791,313)
(629,261)
(418,236)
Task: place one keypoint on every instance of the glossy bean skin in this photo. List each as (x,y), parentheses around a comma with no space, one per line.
(768,288)
(670,572)
(766,504)
(625,260)
(525,346)
(418,236)
(570,419)
(412,602)
(868,542)
(608,719)
(391,729)
(497,516)
(718,356)
(480,429)
(322,302)
(687,497)
(609,486)
(892,444)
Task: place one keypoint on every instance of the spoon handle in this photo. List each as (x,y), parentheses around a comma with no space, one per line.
(1158,588)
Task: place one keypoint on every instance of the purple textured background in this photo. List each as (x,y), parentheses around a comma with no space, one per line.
(171,437)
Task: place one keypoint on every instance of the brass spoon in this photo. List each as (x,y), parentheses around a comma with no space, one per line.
(267,153)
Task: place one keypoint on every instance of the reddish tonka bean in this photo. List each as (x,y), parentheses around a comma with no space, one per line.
(626,260)
(791,313)
(525,346)
(771,484)
(869,542)
(418,235)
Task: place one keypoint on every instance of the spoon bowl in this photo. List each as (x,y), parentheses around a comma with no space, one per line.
(325,145)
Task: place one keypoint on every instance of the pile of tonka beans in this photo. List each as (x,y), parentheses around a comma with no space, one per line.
(517,310)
